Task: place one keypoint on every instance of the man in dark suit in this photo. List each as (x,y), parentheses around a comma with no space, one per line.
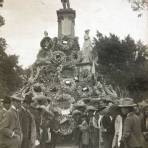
(26,119)
(132,133)
(10,130)
(6,102)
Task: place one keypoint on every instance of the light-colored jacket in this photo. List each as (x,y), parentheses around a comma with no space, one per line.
(118,132)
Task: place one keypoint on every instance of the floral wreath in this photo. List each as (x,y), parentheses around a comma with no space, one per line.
(68,127)
(75,57)
(63,98)
(58,57)
(66,43)
(84,91)
(85,75)
(68,85)
(46,43)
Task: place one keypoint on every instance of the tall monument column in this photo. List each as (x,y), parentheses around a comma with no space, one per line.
(66,22)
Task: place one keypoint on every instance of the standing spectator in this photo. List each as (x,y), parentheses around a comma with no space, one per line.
(10,129)
(36,110)
(145,125)
(118,125)
(132,132)
(92,129)
(85,132)
(6,103)
(54,126)
(45,136)
(77,132)
(108,132)
(26,121)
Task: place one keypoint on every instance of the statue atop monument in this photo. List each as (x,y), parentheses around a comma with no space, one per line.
(66,4)
(66,20)
(87,47)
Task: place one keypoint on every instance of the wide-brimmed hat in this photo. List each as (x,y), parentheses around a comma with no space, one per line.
(95,100)
(17,97)
(91,108)
(126,102)
(6,100)
(101,107)
(76,112)
(78,106)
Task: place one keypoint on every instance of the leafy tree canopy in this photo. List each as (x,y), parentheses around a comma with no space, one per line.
(122,62)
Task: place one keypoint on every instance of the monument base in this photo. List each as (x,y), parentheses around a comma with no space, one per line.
(66,22)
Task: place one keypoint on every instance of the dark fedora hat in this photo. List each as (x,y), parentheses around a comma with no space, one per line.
(6,100)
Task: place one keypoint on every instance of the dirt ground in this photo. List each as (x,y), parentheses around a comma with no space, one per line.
(67,146)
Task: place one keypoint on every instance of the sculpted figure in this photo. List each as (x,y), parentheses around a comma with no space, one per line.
(65,3)
(87,47)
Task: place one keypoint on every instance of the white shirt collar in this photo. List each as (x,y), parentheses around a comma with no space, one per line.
(23,108)
(5,109)
(14,107)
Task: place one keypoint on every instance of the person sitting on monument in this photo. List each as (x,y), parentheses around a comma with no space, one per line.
(65,3)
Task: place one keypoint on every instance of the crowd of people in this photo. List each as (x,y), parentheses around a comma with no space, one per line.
(32,122)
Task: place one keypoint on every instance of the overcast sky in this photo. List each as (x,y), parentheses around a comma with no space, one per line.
(27,20)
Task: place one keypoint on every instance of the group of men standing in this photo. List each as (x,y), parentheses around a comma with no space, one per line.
(25,123)
(16,123)
(123,125)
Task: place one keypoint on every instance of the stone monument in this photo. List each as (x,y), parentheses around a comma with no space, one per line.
(63,73)
(66,20)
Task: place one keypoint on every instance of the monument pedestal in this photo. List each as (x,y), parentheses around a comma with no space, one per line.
(66,23)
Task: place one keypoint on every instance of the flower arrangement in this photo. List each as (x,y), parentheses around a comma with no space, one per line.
(68,85)
(84,91)
(63,101)
(85,75)
(58,57)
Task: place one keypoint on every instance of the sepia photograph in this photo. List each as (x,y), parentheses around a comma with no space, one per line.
(73,73)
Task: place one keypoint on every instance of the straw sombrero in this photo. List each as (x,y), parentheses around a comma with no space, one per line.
(126,102)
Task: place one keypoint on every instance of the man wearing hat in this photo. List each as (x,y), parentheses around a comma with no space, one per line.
(10,129)
(92,130)
(6,102)
(132,134)
(26,122)
(54,126)
(77,121)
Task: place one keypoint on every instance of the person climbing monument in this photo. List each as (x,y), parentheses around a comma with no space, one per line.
(66,4)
